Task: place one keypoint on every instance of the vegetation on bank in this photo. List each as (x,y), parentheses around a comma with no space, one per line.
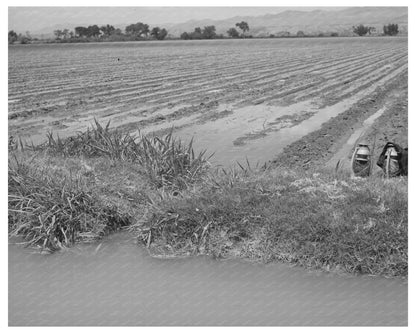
(55,202)
(81,188)
(52,209)
(358,226)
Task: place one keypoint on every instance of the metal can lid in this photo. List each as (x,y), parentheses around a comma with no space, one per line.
(363,151)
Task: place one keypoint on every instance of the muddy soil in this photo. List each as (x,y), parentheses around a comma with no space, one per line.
(392,125)
(317,148)
(250,106)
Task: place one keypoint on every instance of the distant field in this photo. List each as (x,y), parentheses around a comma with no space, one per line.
(234,96)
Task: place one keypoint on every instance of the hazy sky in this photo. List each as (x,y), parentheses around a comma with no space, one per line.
(36,18)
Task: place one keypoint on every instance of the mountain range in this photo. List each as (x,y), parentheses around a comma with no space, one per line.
(290,21)
(315,21)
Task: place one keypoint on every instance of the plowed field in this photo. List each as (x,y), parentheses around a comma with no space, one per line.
(240,98)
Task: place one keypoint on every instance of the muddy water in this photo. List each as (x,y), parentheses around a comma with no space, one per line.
(219,136)
(118,283)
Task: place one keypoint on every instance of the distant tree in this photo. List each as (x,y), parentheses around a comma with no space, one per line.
(361,30)
(61,34)
(130,29)
(197,34)
(81,31)
(243,26)
(300,33)
(391,29)
(65,33)
(107,30)
(283,34)
(334,34)
(185,35)
(158,33)
(93,31)
(58,33)
(139,29)
(78,31)
(209,32)
(162,35)
(154,32)
(12,37)
(24,39)
(233,33)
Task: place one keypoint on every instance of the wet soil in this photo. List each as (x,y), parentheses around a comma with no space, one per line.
(317,148)
(62,88)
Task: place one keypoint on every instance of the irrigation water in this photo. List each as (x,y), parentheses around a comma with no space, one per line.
(116,282)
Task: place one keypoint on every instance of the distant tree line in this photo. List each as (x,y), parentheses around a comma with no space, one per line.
(301,34)
(136,31)
(142,31)
(209,32)
(22,39)
(390,29)
(234,33)
(362,30)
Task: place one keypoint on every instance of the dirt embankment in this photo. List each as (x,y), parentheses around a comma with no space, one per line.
(316,148)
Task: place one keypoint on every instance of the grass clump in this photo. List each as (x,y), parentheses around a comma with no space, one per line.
(169,162)
(165,160)
(349,225)
(52,211)
(96,141)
